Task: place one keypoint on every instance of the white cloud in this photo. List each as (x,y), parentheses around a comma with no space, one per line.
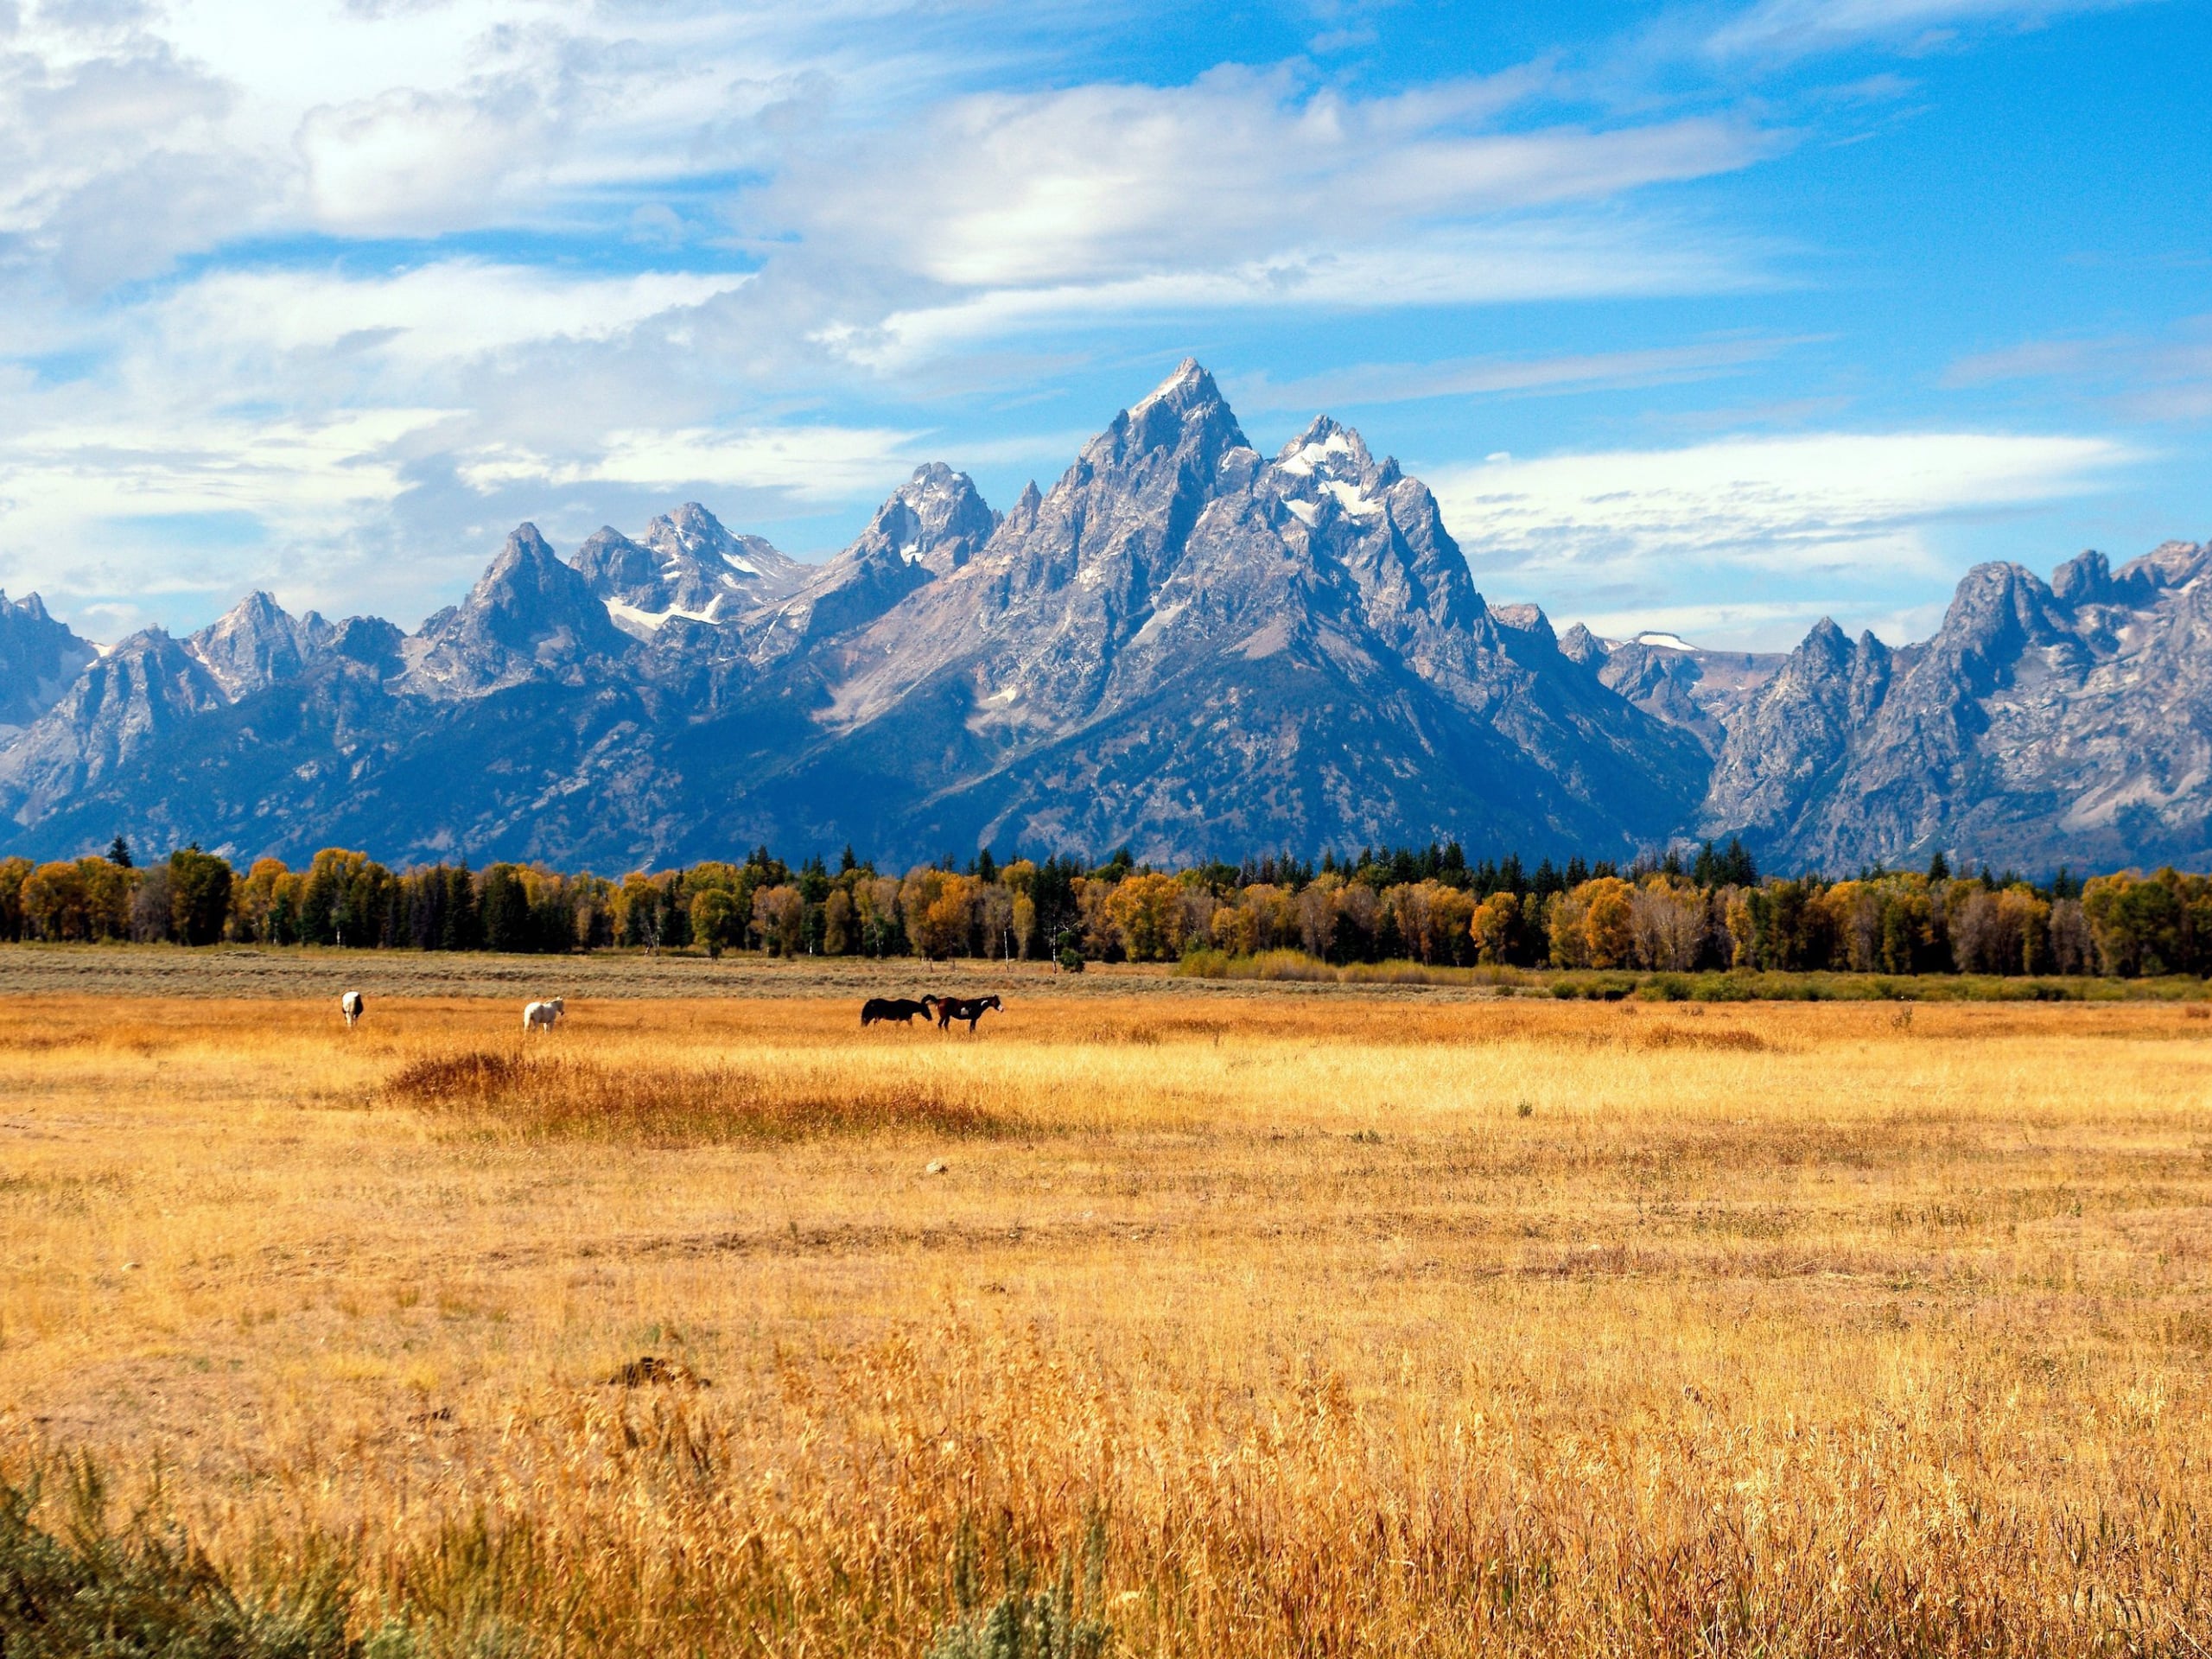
(808,463)
(1798,26)
(1782,529)
(1112,181)
(409,120)
(107,508)
(427,319)
(2162,377)
(1494,263)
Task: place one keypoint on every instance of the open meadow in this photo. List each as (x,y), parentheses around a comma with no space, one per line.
(1153,1324)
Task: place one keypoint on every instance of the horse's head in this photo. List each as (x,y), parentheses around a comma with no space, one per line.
(557,1006)
(992,1001)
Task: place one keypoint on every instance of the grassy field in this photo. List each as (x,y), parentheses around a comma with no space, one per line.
(1183,1325)
(309,972)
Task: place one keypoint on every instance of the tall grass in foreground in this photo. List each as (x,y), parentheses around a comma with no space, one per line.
(936,1483)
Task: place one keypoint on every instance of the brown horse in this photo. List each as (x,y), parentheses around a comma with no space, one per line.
(971,1008)
(903,1009)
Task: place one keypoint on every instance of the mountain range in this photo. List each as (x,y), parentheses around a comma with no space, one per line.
(1184,646)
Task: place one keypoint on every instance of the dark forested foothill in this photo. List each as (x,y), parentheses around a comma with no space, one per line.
(1710,911)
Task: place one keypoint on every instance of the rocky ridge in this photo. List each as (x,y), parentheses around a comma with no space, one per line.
(1182,644)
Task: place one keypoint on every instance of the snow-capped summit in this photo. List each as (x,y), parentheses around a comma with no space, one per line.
(685,564)
(932,525)
(1180,646)
(935,519)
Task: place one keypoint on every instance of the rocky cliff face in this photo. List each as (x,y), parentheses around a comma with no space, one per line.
(932,525)
(1182,644)
(529,617)
(39,658)
(2071,722)
(257,646)
(122,709)
(1700,691)
(685,565)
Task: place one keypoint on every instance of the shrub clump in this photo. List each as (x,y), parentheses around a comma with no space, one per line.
(143,1587)
(564,1098)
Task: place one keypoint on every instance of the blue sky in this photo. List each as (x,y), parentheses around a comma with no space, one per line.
(1712,317)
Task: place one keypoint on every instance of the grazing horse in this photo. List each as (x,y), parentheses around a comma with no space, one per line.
(541,1016)
(351,1005)
(901,1008)
(971,1008)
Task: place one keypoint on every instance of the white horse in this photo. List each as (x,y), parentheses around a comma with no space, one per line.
(542,1016)
(351,1005)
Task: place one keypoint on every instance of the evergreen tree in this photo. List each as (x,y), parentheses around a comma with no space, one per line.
(459,929)
(1939,867)
(118,852)
(1735,866)
(506,911)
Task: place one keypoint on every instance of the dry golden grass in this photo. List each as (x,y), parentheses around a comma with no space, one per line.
(1348,1327)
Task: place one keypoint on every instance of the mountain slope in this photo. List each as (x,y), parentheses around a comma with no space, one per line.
(1187,646)
(39,658)
(685,565)
(1183,645)
(2042,724)
(931,527)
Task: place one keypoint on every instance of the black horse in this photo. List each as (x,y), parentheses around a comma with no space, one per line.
(971,1008)
(903,1009)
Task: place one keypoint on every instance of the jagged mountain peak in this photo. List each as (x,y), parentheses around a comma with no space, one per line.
(1525,619)
(1328,468)
(2169,564)
(2085,579)
(1185,414)
(1187,388)
(524,547)
(689,527)
(257,644)
(529,616)
(1325,442)
(929,527)
(1578,645)
(936,518)
(39,657)
(695,537)
(1824,643)
(121,706)
(686,564)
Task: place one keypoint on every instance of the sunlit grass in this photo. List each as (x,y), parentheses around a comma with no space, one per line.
(1313,1326)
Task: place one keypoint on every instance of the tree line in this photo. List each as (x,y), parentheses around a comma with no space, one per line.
(1713,910)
